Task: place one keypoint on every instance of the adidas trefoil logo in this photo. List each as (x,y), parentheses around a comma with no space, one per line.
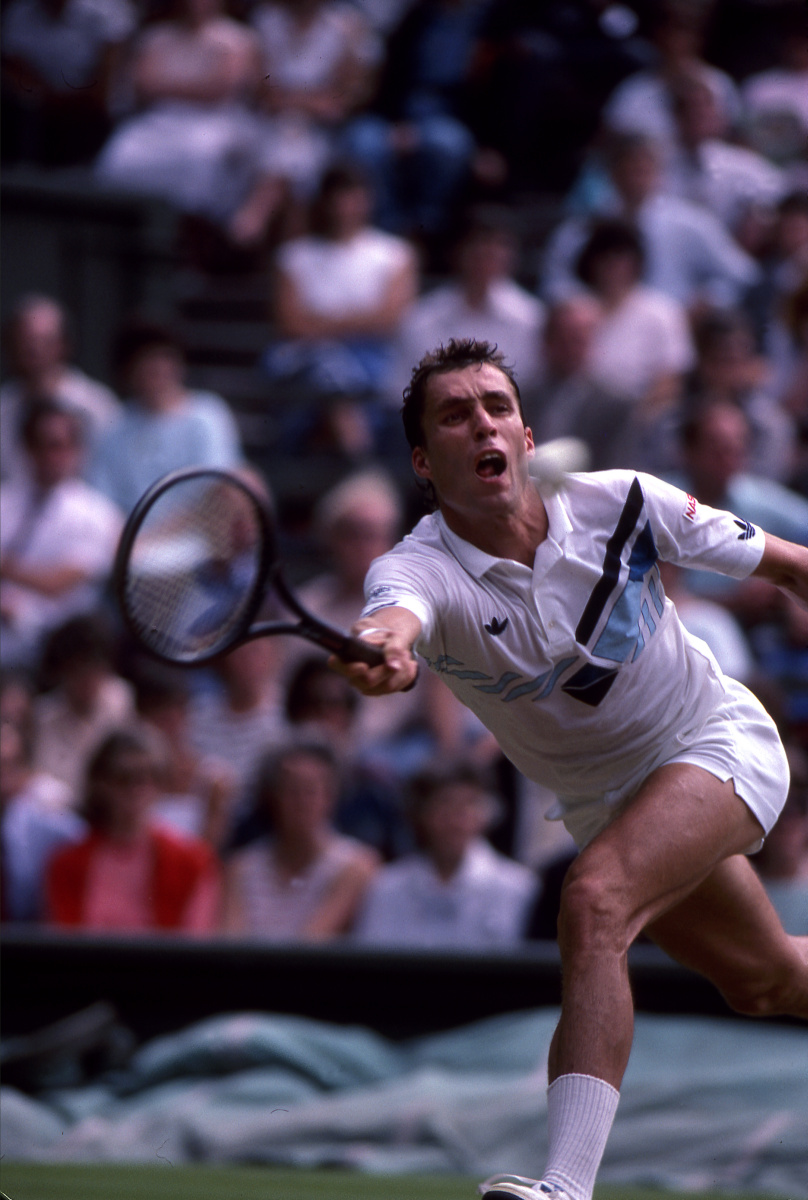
(747,530)
(496,627)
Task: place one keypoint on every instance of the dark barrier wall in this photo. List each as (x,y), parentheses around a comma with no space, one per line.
(101,254)
(160,985)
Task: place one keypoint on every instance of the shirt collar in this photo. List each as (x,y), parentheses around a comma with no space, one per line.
(477,562)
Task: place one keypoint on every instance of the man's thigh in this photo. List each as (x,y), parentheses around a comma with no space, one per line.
(728,930)
(668,839)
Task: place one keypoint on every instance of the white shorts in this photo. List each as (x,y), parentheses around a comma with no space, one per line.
(738,741)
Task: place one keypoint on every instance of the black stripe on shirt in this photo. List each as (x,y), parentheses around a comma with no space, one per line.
(611,563)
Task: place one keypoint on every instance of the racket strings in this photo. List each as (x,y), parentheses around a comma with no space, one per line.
(192,572)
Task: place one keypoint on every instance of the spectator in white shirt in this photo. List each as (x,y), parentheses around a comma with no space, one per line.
(690,255)
(737,184)
(482,300)
(642,103)
(165,425)
(456,892)
(642,346)
(58,537)
(38,349)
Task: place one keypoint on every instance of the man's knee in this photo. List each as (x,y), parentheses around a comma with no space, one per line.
(593,912)
(780,989)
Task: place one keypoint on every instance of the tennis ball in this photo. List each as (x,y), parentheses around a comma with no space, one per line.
(562,456)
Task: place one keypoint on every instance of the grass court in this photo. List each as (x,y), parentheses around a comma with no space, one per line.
(37,1181)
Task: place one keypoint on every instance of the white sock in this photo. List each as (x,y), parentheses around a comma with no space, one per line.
(580,1112)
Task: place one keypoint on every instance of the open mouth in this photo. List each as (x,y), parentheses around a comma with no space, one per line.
(490,465)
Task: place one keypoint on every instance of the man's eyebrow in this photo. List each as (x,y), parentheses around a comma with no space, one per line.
(491,394)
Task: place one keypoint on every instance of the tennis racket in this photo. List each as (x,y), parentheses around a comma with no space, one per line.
(197,559)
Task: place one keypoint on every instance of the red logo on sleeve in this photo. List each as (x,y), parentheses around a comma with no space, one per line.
(690,508)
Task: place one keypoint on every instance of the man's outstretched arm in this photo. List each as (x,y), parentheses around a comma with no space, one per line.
(785,564)
(395,631)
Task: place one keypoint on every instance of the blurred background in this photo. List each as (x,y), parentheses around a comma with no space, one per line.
(230,231)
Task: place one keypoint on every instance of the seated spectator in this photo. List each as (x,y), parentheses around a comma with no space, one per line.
(481,300)
(737,184)
(456,892)
(195,140)
(780,644)
(776,303)
(17,699)
(730,369)
(196,789)
(782,863)
(644,102)
(689,254)
(59,58)
(305,881)
(165,425)
(85,699)
(340,294)
(542,75)
(716,446)
(354,522)
(37,820)
(319,60)
(240,716)
(413,139)
(321,704)
(712,623)
(129,874)
(776,100)
(793,392)
(58,536)
(567,401)
(642,347)
(38,350)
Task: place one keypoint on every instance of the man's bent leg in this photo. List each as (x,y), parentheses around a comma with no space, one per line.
(728,930)
(673,835)
(681,824)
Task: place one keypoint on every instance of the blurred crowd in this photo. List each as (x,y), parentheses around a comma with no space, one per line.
(614,194)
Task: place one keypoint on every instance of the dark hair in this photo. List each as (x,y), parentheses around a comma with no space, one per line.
(483,220)
(691,428)
(158,686)
(458,354)
(609,237)
(87,638)
(302,692)
(793,202)
(101,766)
(716,326)
(45,409)
(139,334)
(435,778)
(265,777)
(342,177)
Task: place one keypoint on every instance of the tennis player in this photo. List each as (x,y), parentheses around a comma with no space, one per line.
(543,611)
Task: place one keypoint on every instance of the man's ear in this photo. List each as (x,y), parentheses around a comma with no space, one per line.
(420,463)
(530,445)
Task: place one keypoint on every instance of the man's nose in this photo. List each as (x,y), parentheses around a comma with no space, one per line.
(482,423)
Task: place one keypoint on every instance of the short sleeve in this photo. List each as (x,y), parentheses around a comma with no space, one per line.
(692,534)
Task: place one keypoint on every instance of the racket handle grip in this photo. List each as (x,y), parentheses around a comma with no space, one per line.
(359,650)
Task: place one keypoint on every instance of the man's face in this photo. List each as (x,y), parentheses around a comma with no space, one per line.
(475,447)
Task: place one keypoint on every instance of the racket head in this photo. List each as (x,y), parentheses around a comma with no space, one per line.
(192,564)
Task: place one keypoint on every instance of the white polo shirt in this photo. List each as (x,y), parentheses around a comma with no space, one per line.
(580,667)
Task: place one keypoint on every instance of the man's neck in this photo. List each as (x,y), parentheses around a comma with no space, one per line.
(514,535)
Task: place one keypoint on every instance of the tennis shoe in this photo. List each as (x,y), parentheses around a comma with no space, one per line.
(506,1187)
